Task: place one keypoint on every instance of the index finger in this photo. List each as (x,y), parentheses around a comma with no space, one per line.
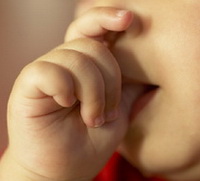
(98,21)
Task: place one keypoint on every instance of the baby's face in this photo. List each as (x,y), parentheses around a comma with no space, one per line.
(162,48)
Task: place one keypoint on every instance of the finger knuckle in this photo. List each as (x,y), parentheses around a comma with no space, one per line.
(35,71)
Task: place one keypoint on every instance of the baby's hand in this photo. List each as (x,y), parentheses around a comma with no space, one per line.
(58,99)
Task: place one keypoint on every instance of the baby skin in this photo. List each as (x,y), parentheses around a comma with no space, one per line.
(73,107)
(66,116)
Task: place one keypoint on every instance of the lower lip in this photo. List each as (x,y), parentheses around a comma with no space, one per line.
(142,102)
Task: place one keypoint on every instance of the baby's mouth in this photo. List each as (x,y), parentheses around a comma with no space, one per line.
(143,99)
(136,97)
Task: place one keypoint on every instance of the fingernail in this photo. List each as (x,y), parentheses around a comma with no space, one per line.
(112,115)
(121,13)
(99,121)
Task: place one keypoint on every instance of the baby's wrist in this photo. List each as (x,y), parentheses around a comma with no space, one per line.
(10,170)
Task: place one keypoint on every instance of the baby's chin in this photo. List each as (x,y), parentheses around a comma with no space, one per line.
(166,168)
(157,147)
(154,160)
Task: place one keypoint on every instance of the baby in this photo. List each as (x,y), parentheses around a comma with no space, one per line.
(126,79)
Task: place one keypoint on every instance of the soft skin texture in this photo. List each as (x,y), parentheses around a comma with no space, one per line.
(51,138)
(58,101)
(161,47)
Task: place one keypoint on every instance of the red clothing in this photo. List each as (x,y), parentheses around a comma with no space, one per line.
(118,169)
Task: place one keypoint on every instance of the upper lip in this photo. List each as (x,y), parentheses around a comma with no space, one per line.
(145,86)
(127,78)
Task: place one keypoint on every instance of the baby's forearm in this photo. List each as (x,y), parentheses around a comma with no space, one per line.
(10,170)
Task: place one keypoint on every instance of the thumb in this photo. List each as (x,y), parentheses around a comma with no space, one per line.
(109,136)
(130,93)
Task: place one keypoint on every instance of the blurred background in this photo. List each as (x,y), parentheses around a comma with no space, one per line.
(28,29)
